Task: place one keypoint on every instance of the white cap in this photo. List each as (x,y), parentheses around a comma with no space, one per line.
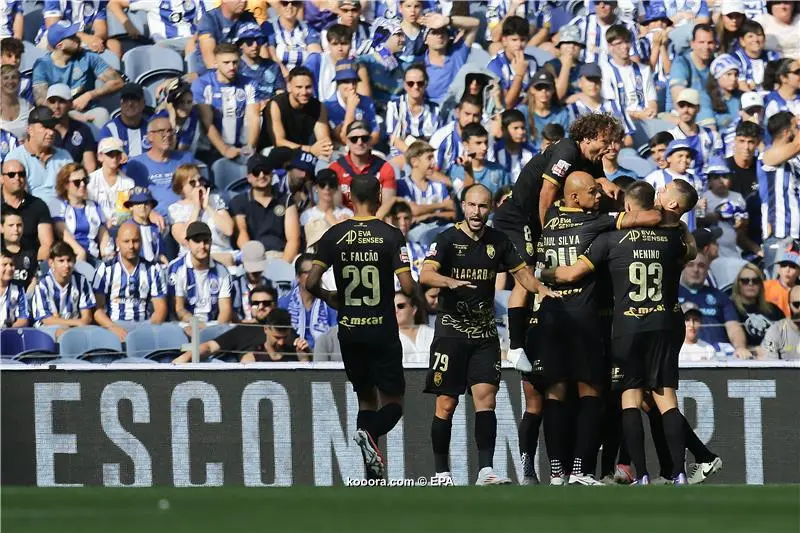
(690,96)
(60,90)
(752,99)
(110,144)
(733,6)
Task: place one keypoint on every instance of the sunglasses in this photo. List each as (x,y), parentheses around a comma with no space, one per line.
(796,305)
(248,42)
(262,303)
(419,84)
(400,306)
(164,132)
(750,281)
(78,183)
(286,3)
(198,183)
(21,174)
(355,139)
(327,185)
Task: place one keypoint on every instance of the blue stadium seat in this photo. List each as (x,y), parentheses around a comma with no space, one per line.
(132,360)
(147,61)
(540,55)
(24,342)
(137,18)
(31,22)
(77,342)
(29,57)
(224,172)
(66,361)
(151,341)
(111,59)
(630,159)
(478,56)
(236,188)
(280,272)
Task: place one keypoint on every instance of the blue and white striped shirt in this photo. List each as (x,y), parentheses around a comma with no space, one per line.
(241,295)
(433,193)
(447,143)
(779,189)
(290,45)
(129,294)
(201,289)
(752,70)
(67,302)
(593,35)
(401,123)
(151,243)
(8,11)
(500,64)
(697,8)
(229,102)
(707,143)
(512,163)
(7,143)
(83,222)
(169,19)
(645,48)
(13,305)
(579,108)
(537,12)
(81,12)
(134,139)
(360,36)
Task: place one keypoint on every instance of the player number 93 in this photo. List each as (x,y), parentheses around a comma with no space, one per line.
(647,279)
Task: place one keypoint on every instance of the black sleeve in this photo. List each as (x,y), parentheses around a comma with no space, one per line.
(400,259)
(562,161)
(41,213)
(325,250)
(438,251)
(510,261)
(242,339)
(597,251)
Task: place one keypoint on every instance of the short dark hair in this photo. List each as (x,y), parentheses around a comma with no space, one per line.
(226,48)
(750,26)
(623,182)
(553,132)
(339,33)
(61,249)
(618,31)
(746,128)
(400,207)
(365,188)
(593,125)
(302,258)
(642,194)
(264,289)
(420,67)
(472,99)
(473,130)
(299,71)
(662,137)
(9,212)
(516,25)
(510,116)
(687,192)
(702,27)
(10,45)
(278,318)
(779,122)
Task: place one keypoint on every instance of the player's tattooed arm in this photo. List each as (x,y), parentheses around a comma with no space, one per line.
(525,278)
(638,219)
(314,286)
(431,277)
(567,274)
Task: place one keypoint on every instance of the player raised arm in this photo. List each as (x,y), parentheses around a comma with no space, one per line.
(314,285)
(430,276)
(526,279)
(567,274)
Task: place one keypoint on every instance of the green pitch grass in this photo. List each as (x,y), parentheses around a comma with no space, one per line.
(707,509)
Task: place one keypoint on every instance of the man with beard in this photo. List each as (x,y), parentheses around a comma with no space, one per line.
(782,340)
(463,262)
(535,190)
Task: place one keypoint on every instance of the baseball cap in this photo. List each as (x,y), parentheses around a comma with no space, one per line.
(732,6)
(326,176)
(198,229)
(176,88)
(752,99)
(303,161)
(343,3)
(249,31)
(590,70)
(139,195)
(110,144)
(42,115)
(543,77)
(717,165)
(690,96)
(258,162)
(61,30)
(656,11)
(705,236)
(132,90)
(569,34)
(788,256)
(722,64)
(59,90)
(254,257)
(357,125)
(346,70)
(690,307)
(679,144)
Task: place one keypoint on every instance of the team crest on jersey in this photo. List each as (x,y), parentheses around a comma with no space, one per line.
(26,262)
(4,147)
(404,254)
(213,286)
(711,299)
(437,379)
(431,251)
(77,72)
(529,248)
(77,138)
(88,10)
(241,96)
(560,169)
(173,278)
(490,251)
(280,211)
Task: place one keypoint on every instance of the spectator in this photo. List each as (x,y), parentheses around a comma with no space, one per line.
(340,48)
(13,303)
(40,159)
(290,41)
(690,70)
(473,167)
(707,242)
(720,321)
(108,186)
(568,61)
(72,135)
(688,12)
(63,298)
(217,26)
(432,304)
(786,95)
(551,134)
(538,14)
(694,348)
(706,142)
(415,334)
(131,125)
(264,74)
(411,18)
(298,178)
(777,167)
(254,263)
(329,211)
(199,286)
(270,343)
(174,27)
(11,55)
(91,19)
(753,57)
(447,139)
(729,25)
(128,289)
(777,290)
(655,47)
(611,166)
(37,226)
(80,69)
(227,104)
(14,110)
(155,167)
(401,217)
(12,25)
(444,56)
(24,260)
(197,202)
(513,151)
(381,58)
(515,70)
(183,115)
(413,117)
(630,84)
(264,216)
(296,116)
(360,161)
(743,162)
(350,18)
(593,29)
(783,24)
(725,95)
(658,148)
(590,100)
(327,348)
(751,111)
(311,317)
(141,204)
(79,221)
(542,107)
(782,340)
(347,105)
(755,313)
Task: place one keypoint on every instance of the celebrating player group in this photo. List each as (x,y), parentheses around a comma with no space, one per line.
(594,322)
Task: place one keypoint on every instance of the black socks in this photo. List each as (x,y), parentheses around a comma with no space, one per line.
(440,439)
(633,430)
(485,437)
(518,318)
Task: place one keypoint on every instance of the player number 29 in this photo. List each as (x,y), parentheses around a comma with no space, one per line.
(647,279)
(366,277)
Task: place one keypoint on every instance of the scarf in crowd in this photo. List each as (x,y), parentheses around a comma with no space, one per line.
(319,315)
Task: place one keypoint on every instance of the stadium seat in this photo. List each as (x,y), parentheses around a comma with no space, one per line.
(146,61)
(111,59)
(20,343)
(132,360)
(31,22)
(645,129)
(66,361)
(152,341)
(237,187)
(630,159)
(77,342)
(137,18)
(280,272)
(225,172)
(29,57)
(478,56)
(540,55)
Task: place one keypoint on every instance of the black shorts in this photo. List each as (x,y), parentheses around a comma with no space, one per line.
(523,235)
(536,376)
(456,364)
(648,359)
(369,365)
(570,347)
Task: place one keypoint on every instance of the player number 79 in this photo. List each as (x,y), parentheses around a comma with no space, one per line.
(442,362)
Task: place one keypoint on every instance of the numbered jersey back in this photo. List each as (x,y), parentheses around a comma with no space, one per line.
(365,255)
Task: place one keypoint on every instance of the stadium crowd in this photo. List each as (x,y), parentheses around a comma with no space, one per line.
(133,192)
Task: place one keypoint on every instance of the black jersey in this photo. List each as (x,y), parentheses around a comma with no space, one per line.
(466,312)
(365,254)
(25,268)
(566,235)
(554,165)
(645,267)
